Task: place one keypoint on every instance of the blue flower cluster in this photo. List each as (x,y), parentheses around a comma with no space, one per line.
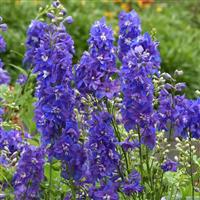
(21,80)
(129,29)
(49,50)
(2,44)
(103,158)
(129,144)
(177,115)
(138,66)
(29,174)
(96,68)
(11,142)
(132,184)
(169,165)
(194,116)
(4,76)
(71,152)
(107,192)
(171,113)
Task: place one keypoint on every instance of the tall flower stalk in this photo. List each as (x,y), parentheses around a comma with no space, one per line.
(4,76)
(50,50)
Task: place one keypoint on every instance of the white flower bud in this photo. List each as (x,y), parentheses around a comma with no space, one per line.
(176,158)
(192,147)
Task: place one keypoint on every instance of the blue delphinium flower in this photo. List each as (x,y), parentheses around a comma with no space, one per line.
(105,191)
(132,184)
(176,114)
(138,66)
(4,76)
(12,143)
(52,111)
(11,139)
(3,26)
(172,114)
(103,158)
(96,68)
(169,165)
(29,174)
(129,28)
(68,149)
(129,145)
(35,33)
(193,112)
(2,44)
(49,50)
(22,78)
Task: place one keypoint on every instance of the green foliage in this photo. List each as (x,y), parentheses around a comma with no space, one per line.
(58,185)
(179,39)
(18,101)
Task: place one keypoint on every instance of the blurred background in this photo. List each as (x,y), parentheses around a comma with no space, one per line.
(175,24)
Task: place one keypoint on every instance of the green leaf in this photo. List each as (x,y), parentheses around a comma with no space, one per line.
(19,68)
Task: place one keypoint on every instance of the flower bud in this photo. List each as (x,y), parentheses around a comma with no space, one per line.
(180,86)
(176,158)
(69,20)
(56,4)
(166,76)
(2,196)
(63,12)
(161,80)
(50,16)
(178,72)
(192,147)
(165,140)
(168,86)
(3,27)
(197,92)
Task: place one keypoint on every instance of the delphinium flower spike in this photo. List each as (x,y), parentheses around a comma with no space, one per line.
(97,66)
(103,159)
(129,29)
(4,76)
(29,174)
(50,50)
(138,66)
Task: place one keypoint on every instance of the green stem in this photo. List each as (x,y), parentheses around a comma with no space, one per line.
(149,172)
(171,122)
(191,169)
(7,181)
(170,132)
(71,183)
(161,188)
(50,181)
(73,189)
(171,194)
(118,135)
(175,194)
(140,152)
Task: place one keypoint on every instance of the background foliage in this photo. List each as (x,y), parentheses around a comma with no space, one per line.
(176,25)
